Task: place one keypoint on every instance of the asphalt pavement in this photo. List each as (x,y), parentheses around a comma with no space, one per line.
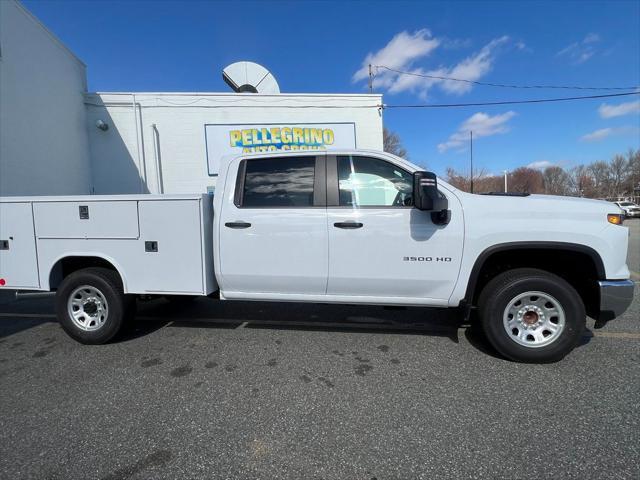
(222,390)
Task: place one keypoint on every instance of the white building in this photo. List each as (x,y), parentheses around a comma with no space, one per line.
(44,146)
(56,138)
(171,142)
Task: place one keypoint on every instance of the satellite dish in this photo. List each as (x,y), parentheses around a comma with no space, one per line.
(249,77)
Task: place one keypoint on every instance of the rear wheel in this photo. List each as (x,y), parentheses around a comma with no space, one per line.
(91,305)
(530,315)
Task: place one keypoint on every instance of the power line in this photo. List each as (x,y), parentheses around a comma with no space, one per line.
(510,102)
(486,84)
(383,106)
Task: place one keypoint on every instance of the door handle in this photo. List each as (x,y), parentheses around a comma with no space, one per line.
(348,225)
(237,224)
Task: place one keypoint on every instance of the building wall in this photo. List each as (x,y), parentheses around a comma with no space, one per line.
(44,147)
(156,141)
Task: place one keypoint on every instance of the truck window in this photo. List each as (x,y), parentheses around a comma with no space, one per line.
(279,182)
(372,182)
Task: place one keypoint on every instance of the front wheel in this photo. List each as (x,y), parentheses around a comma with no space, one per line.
(91,305)
(531,315)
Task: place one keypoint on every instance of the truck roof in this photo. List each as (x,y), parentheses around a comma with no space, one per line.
(225,159)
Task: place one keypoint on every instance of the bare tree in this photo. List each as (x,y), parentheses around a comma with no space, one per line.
(526,180)
(482,181)
(600,173)
(457,180)
(619,177)
(556,181)
(633,179)
(582,184)
(618,171)
(489,183)
(392,144)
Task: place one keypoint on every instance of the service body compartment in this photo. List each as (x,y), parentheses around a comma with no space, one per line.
(171,233)
(86,219)
(18,259)
(159,244)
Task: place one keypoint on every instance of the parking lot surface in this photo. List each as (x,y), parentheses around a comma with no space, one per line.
(257,390)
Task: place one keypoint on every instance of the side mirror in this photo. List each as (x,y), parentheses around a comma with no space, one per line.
(427,198)
(425,192)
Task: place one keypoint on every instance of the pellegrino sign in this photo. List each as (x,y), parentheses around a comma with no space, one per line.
(281,138)
(228,139)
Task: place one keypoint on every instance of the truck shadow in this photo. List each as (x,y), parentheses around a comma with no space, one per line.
(206,313)
(12,325)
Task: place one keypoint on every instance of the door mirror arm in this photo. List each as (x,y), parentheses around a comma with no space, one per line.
(441,217)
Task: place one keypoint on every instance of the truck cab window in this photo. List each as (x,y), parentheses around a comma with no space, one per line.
(372,182)
(279,182)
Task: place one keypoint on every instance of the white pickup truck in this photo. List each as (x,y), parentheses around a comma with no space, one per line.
(357,227)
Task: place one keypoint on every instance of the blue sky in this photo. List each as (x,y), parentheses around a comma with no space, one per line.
(321,47)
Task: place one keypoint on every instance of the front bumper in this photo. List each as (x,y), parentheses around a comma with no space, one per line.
(615,298)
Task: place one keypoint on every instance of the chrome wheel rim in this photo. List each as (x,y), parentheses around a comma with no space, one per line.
(88,308)
(534,319)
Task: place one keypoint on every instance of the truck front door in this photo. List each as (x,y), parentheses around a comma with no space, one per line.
(273,230)
(381,249)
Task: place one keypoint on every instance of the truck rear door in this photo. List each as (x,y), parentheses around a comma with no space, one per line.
(273,230)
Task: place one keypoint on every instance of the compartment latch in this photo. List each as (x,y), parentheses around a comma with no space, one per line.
(84,212)
(151,246)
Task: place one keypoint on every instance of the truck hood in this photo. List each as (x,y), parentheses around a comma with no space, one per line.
(574,202)
(536,206)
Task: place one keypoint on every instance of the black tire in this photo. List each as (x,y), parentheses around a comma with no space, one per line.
(120,307)
(498,294)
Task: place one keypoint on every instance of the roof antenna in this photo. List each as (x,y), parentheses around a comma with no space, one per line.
(471,142)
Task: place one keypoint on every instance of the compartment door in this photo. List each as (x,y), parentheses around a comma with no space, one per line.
(18,256)
(176,264)
(111,219)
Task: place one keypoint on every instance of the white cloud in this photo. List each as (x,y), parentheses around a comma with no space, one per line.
(540,164)
(401,51)
(591,38)
(597,135)
(603,133)
(482,125)
(473,67)
(456,43)
(580,52)
(520,45)
(609,111)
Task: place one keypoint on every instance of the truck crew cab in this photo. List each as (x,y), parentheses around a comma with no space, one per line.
(358,227)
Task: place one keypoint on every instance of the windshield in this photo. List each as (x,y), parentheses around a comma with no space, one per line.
(626,204)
